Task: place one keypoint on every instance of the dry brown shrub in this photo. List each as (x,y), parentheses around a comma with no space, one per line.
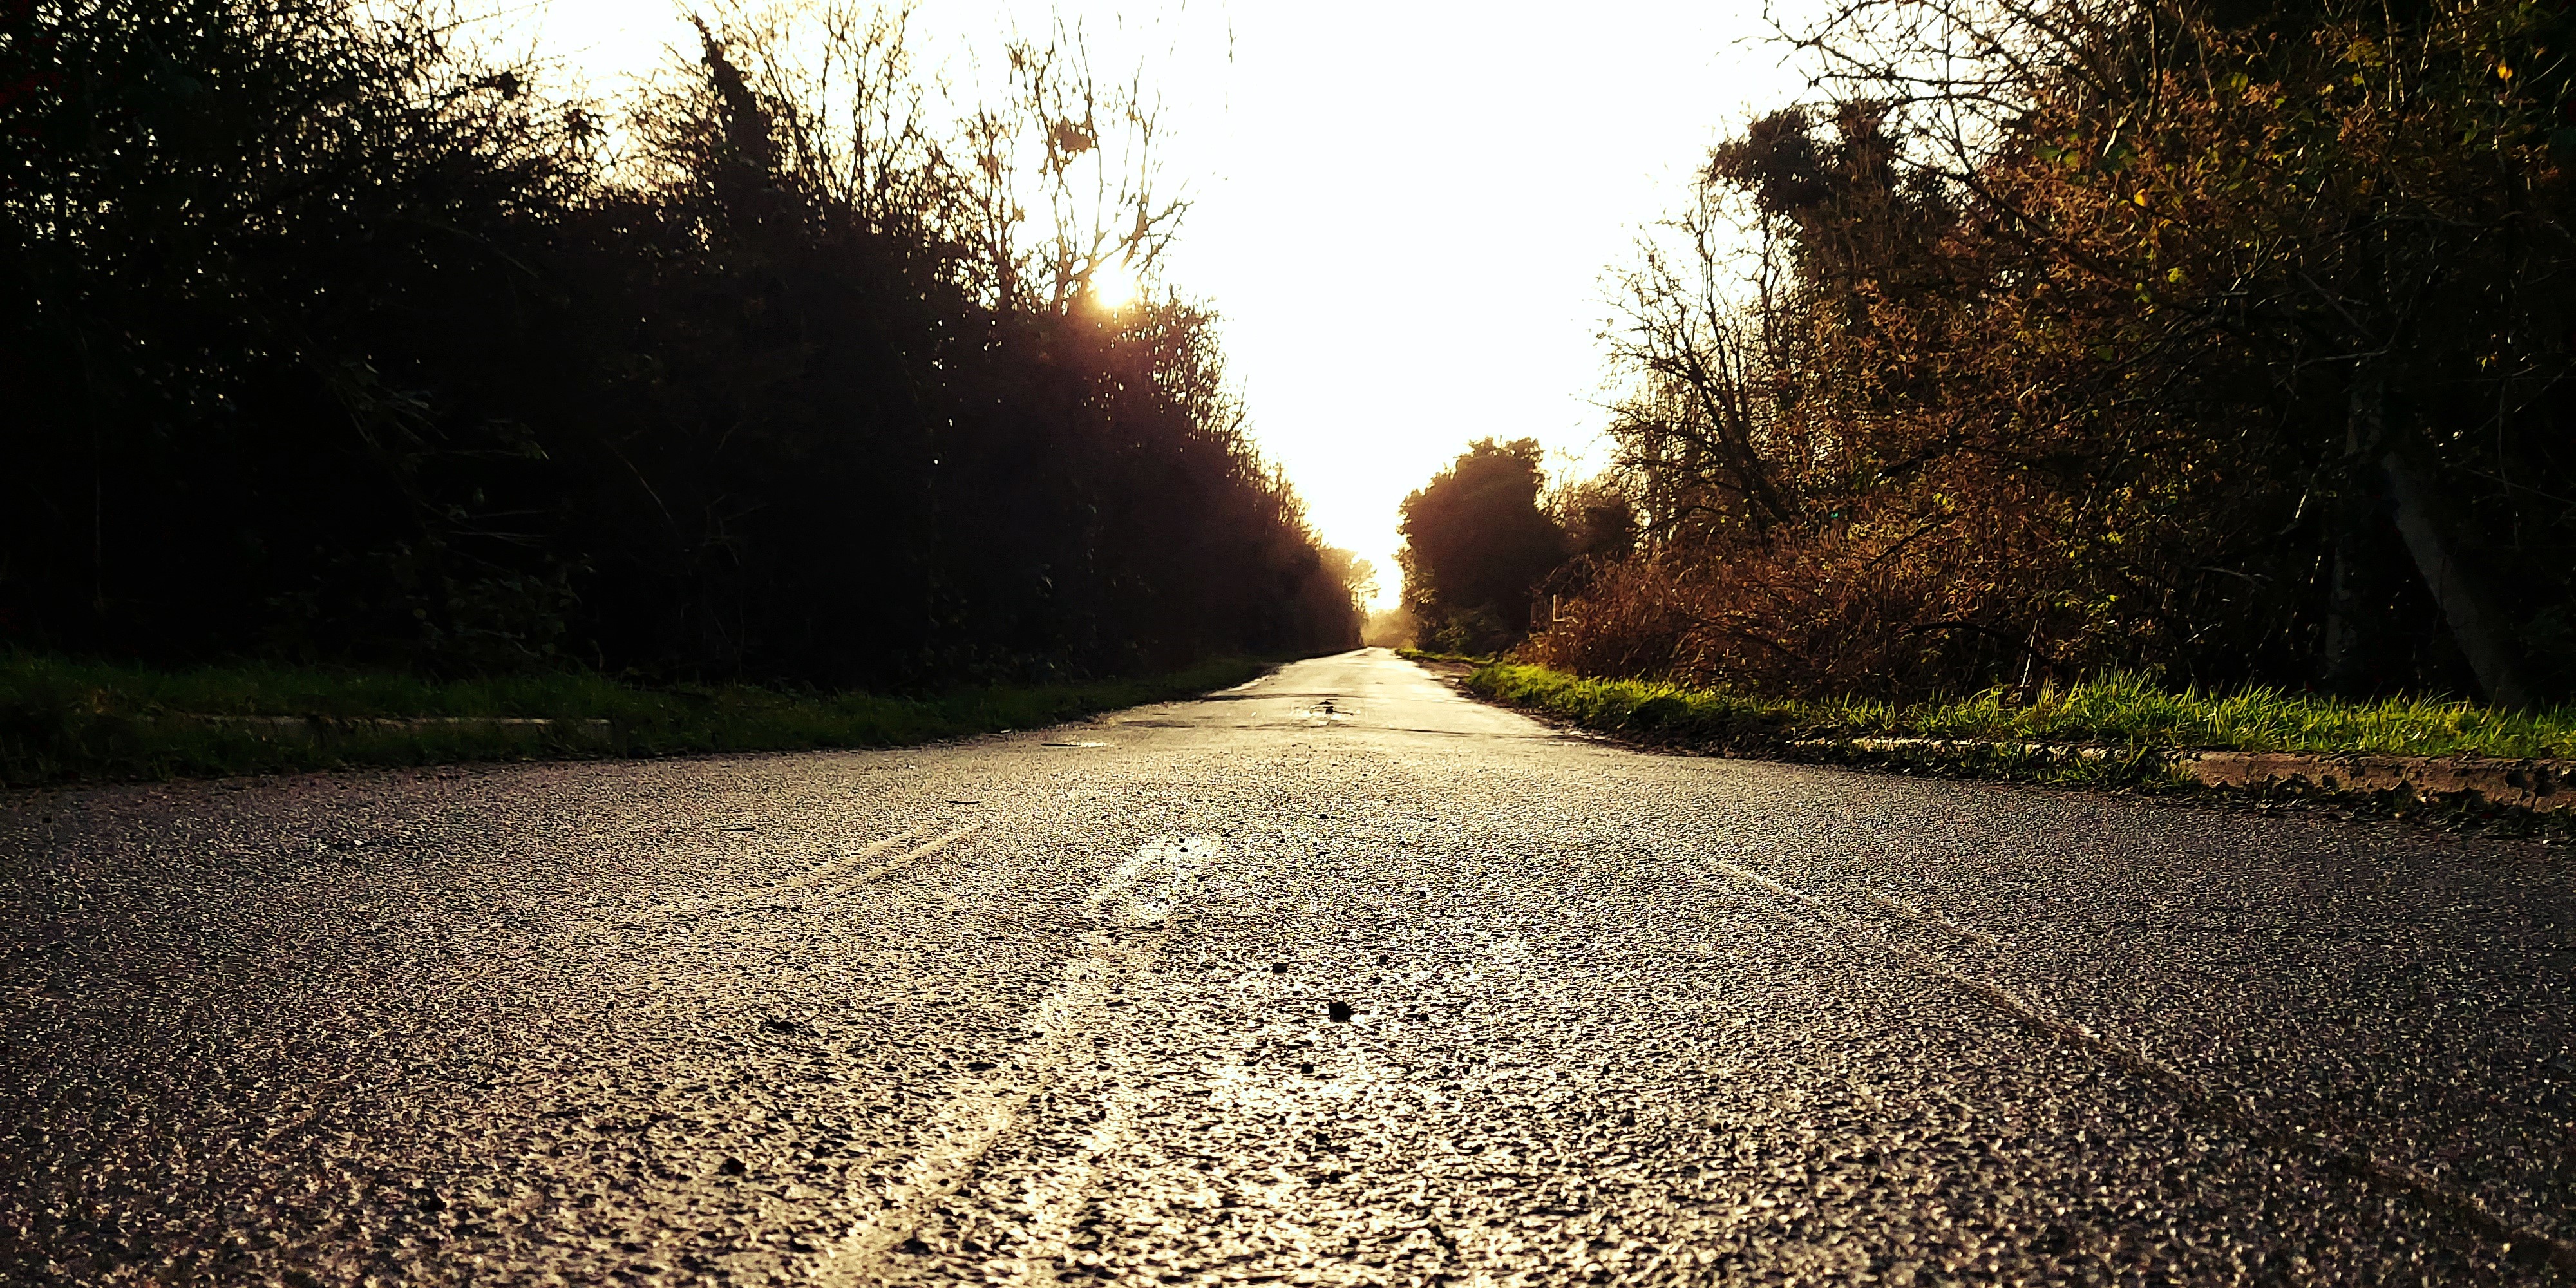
(1899,603)
(2099,359)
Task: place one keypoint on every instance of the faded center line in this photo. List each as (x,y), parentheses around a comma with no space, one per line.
(1133,903)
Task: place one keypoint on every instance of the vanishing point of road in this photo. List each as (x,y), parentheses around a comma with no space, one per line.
(1334,978)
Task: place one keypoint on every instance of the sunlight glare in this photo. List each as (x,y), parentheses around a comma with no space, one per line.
(1563,136)
(1113,285)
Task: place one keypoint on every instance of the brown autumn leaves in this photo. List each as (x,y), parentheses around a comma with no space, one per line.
(2222,342)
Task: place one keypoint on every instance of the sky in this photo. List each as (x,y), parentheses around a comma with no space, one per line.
(1407,215)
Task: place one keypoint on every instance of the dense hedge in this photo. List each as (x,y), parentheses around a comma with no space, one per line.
(320,340)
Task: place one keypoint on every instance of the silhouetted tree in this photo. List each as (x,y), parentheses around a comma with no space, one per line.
(1476,545)
(324,340)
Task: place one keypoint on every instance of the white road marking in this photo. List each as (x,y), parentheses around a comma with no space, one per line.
(1133,904)
(1057,1199)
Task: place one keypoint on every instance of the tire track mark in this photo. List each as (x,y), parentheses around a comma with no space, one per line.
(809,879)
(2518,1242)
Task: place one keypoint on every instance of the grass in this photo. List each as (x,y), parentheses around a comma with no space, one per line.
(2119,711)
(63,720)
(1411,654)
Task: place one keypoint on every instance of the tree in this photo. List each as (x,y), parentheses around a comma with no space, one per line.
(1355,574)
(1476,544)
(323,337)
(2072,335)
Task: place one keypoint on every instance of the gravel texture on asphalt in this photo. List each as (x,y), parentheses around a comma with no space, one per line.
(1334,978)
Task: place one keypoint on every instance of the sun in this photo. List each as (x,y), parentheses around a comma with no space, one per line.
(1113,284)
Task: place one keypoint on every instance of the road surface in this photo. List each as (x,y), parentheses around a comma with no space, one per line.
(1334,978)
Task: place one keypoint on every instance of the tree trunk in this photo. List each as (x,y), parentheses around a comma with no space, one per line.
(2432,536)
(2346,647)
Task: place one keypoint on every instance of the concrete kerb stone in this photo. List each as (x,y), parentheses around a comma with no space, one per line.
(2540,786)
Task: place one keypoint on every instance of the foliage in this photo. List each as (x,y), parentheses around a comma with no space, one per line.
(325,341)
(1476,543)
(2119,710)
(2220,343)
(63,720)
(1393,628)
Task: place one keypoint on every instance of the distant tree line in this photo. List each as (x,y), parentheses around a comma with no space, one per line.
(1476,545)
(2226,341)
(1488,544)
(323,338)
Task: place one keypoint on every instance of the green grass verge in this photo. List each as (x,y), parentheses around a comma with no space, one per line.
(2118,711)
(63,721)
(1411,654)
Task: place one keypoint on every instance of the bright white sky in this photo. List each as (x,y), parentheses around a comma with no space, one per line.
(1405,212)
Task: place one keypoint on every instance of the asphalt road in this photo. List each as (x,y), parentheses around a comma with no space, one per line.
(1334,978)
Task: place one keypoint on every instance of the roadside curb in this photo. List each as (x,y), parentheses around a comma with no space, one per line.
(51,737)
(2540,786)
(2536,786)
